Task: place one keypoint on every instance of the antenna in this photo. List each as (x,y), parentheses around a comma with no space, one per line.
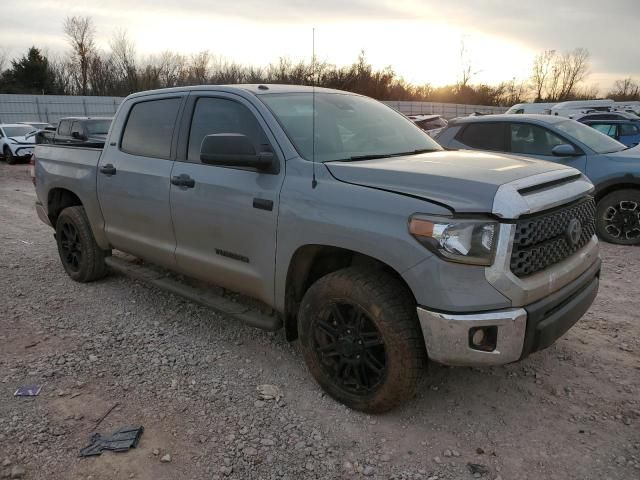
(314,182)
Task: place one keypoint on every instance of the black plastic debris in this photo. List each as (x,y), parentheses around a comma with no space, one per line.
(28,391)
(478,468)
(119,441)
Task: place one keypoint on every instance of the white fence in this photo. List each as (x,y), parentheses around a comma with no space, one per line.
(447,110)
(50,108)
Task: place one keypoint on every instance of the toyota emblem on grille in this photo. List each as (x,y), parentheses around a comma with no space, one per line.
(574,231)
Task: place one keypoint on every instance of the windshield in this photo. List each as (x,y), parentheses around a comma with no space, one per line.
(596,141)
(98,127)
(346,126)
(18,131)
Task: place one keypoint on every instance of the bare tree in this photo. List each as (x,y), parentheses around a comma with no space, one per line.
(199,68)
(81,35)
(123,59)
(542,68)
(625,89)
(467,72)
(557,76)
(4,58)
(573,69)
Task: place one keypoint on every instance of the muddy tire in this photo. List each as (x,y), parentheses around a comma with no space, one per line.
(8,156)
(81,257)
(361,339)
(618,217)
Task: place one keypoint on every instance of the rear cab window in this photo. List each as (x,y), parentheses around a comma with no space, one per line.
(149,128)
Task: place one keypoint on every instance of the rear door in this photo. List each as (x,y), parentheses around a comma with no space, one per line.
(133,178)
(225,223)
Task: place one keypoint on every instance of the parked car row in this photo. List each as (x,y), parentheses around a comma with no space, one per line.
(18,139)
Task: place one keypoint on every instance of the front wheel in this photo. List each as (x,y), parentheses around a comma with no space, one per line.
(361,339)
(8,156)
(618,217)
(81,257)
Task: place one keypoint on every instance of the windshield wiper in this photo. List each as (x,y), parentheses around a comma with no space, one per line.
(375,156)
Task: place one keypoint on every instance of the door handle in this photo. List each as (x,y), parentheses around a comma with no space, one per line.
(108,169)
(183,180)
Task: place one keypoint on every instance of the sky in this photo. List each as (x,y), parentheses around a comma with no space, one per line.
(420,39)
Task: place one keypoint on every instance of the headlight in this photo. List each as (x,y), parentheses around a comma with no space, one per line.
(464,241)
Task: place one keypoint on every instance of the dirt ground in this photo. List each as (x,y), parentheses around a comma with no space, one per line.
(189,376)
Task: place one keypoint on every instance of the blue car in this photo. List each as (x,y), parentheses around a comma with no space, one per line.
(624,131)
(612,167)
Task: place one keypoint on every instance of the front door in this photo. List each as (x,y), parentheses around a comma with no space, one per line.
(133,179)
(225,218)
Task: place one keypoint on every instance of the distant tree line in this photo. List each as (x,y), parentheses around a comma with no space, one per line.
(86,70)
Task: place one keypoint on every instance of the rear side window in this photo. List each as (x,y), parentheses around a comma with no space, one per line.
(149,128)
(64,128)
(484,136)
(218,115)
(628,129)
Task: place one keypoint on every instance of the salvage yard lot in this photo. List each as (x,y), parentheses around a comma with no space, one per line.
(189,376)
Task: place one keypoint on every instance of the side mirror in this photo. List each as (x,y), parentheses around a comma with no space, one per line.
(233,150)
(77,135)
(564,150)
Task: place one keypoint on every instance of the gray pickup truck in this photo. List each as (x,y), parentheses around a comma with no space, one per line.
(343,222)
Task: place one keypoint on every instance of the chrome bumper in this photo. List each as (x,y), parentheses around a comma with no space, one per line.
(447,336)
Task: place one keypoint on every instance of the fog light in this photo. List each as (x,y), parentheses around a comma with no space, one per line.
(483,338)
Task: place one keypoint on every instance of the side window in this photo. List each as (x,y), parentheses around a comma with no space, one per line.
(520,110)
(629,129)
(76,127)
(64,128)
(605,128)
(149,128)
(484,136)
(218,115)
(533,140)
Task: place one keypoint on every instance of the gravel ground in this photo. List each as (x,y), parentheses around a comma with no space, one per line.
(189,377)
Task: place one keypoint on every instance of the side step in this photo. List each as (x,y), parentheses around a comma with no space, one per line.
(202,296)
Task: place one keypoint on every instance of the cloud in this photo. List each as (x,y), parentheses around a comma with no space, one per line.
(606,29)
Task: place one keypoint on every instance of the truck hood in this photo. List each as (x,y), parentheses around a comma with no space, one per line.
(463,181)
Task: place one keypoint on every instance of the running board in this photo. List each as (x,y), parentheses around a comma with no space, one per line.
(199,295)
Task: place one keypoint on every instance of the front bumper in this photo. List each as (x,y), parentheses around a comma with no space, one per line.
(42,213)
(24,151)
(520,331)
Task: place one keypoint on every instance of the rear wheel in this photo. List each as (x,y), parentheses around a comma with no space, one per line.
(361,339)
(8,156)
(81,257)
(618,217)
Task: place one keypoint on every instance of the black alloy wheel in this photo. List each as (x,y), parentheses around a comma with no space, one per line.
(70,246)
(618,217)
(623,220)
(350,348)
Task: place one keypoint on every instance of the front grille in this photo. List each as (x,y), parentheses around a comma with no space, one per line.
(542,240)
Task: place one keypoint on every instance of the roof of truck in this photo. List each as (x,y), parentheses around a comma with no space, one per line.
(255,88)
